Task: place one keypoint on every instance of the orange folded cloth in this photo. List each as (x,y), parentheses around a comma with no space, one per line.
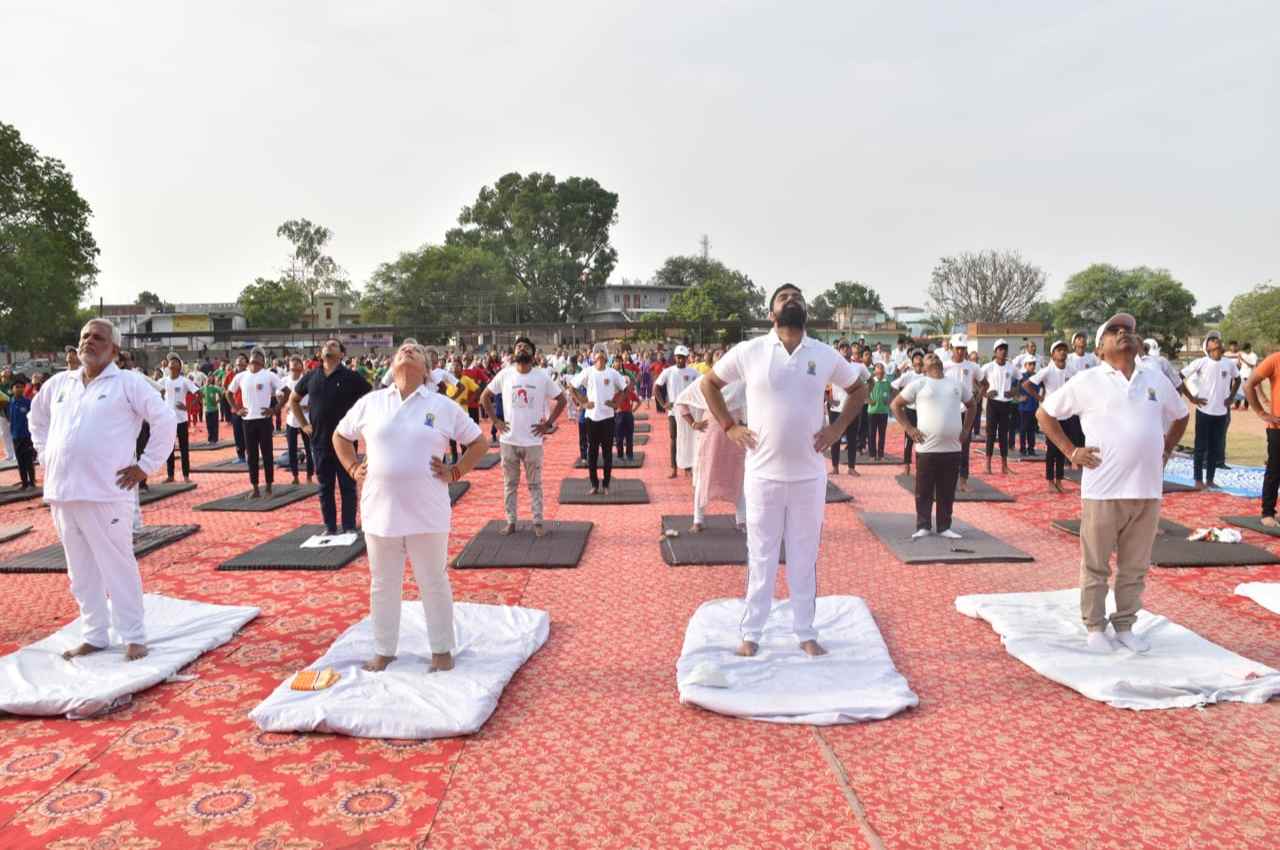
(314,680)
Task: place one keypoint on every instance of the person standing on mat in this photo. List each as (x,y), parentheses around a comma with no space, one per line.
(258,387)
(1122,407)
(406,429)
(1027,404)
(1048,380)
(597,390)
(970,374)
(915,373)
(855,438)
(19,429)
(999,378)
(176,388)
(525,391)
(667,388)
(211,397)
(1210,383)
(83,424)
(785,373)
(331,390)
(293,427)
(944,413)
(1268,370)
(719,462)
(235,403)
(878,396)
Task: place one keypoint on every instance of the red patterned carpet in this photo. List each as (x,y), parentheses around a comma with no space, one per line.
(590,748)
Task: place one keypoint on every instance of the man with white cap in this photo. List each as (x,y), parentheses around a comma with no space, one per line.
(1155,360)
(84,424)
(670,384)
(785,374)
(967,373)
(1000,378)
(1211,383)
(1048,380)
(1078,359)
(1122,406)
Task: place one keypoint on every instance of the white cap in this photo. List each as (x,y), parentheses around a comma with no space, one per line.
(1118,317)
(1152,347)
(999,343)
(959,341)
(681,351)
(1056,344)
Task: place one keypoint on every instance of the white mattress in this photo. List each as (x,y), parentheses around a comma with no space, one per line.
(36,680)
(855,681)
(1266,594)
(405,700)
(1182,670)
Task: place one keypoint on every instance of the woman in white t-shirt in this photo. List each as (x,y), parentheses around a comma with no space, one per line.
(404,498)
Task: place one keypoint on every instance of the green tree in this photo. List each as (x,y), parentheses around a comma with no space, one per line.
(990,286)
(845,293)
(147,298)
(1255,317)
(273,303)
(48,257)
(310,268)
(724,295)
(1211,316)
(440,285)
(552,237)
(1161,305)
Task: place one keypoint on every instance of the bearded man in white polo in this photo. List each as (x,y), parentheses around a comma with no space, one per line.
(1122,406)
(84,424)
(785,374)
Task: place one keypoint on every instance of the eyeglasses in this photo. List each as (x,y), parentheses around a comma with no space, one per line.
(1115,329)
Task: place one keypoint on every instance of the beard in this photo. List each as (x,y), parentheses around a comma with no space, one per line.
(791,316)
(523,357)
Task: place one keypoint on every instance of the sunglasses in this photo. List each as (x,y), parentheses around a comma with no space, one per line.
(1115,329)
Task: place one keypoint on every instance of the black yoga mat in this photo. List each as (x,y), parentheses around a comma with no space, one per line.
(975,546)
(1253,523)
(622,491)
(285,553)
(11,496)
(52,559)
(979,490)
(562,546)
(156,492)
(1173,549)
(283,494)
(618,463)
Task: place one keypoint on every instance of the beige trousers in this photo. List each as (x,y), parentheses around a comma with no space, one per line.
(1126,527)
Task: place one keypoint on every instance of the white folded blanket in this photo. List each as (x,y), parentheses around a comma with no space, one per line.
(36,680)
(1182,670)
(855,681)
(1265,593)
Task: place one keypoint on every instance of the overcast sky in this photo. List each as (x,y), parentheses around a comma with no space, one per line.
(812,141)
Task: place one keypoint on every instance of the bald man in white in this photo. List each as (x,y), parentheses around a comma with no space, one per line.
(84,424)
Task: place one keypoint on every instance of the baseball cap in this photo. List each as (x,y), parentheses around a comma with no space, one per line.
(959,341)
(1117,319)
(681,351)
(999,343)
(1057,343)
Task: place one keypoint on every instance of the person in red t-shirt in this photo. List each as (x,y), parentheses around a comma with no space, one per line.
(624,411)
(481,376)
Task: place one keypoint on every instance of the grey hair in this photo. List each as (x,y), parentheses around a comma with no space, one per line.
(107,323)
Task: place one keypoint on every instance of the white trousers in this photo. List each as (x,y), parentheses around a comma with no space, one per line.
(777,512)
(98,540)
(427,554)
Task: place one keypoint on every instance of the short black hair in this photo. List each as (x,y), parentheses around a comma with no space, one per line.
(19,378)
(1248,346)
(524,339)
(774,296)
(341,347)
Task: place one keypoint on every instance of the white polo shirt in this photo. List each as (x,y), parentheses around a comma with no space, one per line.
(400,495)
(289,383)
(432,384)
(1124,420)
(839,393)
(1000,379)
(1080,362)
(906,379)
(600,385)
(175,393)
(784,395)
(1210,380)
(1051,378)
(86,434)
(524,402)
(940,406)
(257,390)
(676,381)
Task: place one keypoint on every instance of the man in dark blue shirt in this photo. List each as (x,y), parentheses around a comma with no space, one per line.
(331,390)
(24,451)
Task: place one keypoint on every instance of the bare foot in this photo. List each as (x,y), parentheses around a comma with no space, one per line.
(673,474)
(989,472)
(593,491)
(539,530)
(186,479)
(295,481)
(853,471)
(1269,521)
(378,663)
(507,529)
(134,651)
(82,649)
(168,480)
(963,485)
(695,528)
(747,649)
(604,491)
(1004,468)
(441,661)
(1199,485)
(268,491)
(254,494)
(812,647)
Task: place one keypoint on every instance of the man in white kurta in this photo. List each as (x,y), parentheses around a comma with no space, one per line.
(84,424)
(674,380)
(785,375)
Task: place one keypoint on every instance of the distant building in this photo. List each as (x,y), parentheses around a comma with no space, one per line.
(915,319)
(330,311)
(193,319)
(630,302)
(983,336)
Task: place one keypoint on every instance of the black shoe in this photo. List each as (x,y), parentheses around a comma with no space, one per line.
(330,531)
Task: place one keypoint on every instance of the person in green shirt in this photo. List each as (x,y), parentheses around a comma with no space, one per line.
(210,395)
(878,411)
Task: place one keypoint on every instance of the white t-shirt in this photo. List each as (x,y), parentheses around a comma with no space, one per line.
(601,386)
(1080,362)
(906,379)
(257,390)
(1246,363)
(966,372)
(524,402)
(1124,420)
(1156,361)
(1210,380)
(784,395)
(676,381)
(940,406)
(289,383)
(839,393)
(198,378)
(400,495)
(1000,378)
(175,393)
(1051,378)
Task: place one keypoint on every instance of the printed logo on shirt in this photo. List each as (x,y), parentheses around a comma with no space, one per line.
(813,368)
(1151,394)
(606,381)
(1224,373)
(430,421)
(522,397)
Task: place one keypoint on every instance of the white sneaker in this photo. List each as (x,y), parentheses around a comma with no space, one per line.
(923,532)
(1135,643)
(950,535)
(1099,642)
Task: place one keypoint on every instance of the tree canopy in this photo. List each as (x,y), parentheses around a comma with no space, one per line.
(48,257)
(310,269)
(1255,317)
(845,293)
(990,286)
(440,285)
(723,294)
(552,237)
(1161,304)
(147,298)
(273,303)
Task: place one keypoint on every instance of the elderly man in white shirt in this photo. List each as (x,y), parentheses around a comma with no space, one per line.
(176,387)
(404,500)
(1122,407)
(1211,383)
(84,424)
(785,374)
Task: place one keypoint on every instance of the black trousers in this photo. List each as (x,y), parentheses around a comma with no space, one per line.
(211,424)
(1211,445)
(977,422)
(1055,462)
(879,426)
(583,441)
(862,427)
(1026,431)
(625,434)
(237,431)
(144,437)
(966,440)
(936,477)
(257,437)
(1000,416)
(671,421)
(184,449)
(1271,481)
(25,453)
(291,435)
(851,443)
(329,471)
(909,444)
(600,440)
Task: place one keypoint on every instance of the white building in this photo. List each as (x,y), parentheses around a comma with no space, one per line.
(629,302)
(194,319)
